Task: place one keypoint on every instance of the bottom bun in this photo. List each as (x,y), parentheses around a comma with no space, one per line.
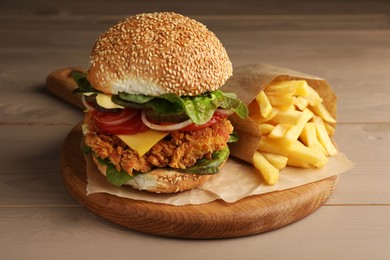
(162,180)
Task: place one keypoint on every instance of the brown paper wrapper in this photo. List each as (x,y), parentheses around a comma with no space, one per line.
(247,82)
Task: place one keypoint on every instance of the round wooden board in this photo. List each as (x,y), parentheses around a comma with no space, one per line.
(217,219)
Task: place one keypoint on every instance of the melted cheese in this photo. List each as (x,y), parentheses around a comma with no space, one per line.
(144,141)
(105,101)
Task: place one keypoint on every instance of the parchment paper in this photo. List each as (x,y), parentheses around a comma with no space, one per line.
(250,80)
(234,182)
(238,178)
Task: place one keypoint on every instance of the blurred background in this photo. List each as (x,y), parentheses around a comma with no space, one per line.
(346,42)
(317,37)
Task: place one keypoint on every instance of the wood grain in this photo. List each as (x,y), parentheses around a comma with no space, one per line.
(218,219)
(76,233)
(346,42)
(244,7)
(61,84)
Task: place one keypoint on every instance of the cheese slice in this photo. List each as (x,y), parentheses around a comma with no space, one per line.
(144,141)
(105,101)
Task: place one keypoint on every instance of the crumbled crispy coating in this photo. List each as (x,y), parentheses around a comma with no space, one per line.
(177,150)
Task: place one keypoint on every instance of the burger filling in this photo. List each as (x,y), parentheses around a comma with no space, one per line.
(192,132)
(179,149)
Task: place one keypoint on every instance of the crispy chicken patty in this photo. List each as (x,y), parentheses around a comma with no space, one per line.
(176,150)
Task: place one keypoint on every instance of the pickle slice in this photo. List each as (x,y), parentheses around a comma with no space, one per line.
(166,118)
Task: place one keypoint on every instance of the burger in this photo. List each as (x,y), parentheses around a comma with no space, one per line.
(155,118)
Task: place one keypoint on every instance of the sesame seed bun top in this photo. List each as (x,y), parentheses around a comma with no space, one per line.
(158,53)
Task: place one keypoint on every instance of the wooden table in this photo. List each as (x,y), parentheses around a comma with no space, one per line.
(346,42)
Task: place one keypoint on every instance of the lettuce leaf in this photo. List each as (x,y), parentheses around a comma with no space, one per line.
(82,83)
(233,137)
(113,176)
(136,98)
(164,104)
(205,166)
(199,108)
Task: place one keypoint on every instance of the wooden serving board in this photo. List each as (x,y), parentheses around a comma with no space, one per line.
(217,219)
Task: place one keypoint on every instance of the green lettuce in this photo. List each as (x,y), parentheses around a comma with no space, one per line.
(233,137)
(113,176)
(205,166)
(82,82)
(199,108)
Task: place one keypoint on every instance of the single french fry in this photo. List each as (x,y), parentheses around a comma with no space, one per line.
(292,134)
(264,104)
(265,128)
(260,119)
(283,102)
(297,163)
(301,103)
(279,131)
(321,111)
(306,115)
(269,145)
(312,97)
(280,88)
(277,160)
(269,172)
(330,129)
(290,117)
(323,136)
(301,87)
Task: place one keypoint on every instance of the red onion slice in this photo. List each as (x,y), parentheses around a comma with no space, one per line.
(120,120)
(85,103)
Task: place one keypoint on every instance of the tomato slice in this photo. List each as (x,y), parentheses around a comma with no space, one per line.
(128,121)
(214,119)
(124,121)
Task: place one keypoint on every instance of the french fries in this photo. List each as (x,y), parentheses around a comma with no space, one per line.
(296,128)
(270,173)
(264,104)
